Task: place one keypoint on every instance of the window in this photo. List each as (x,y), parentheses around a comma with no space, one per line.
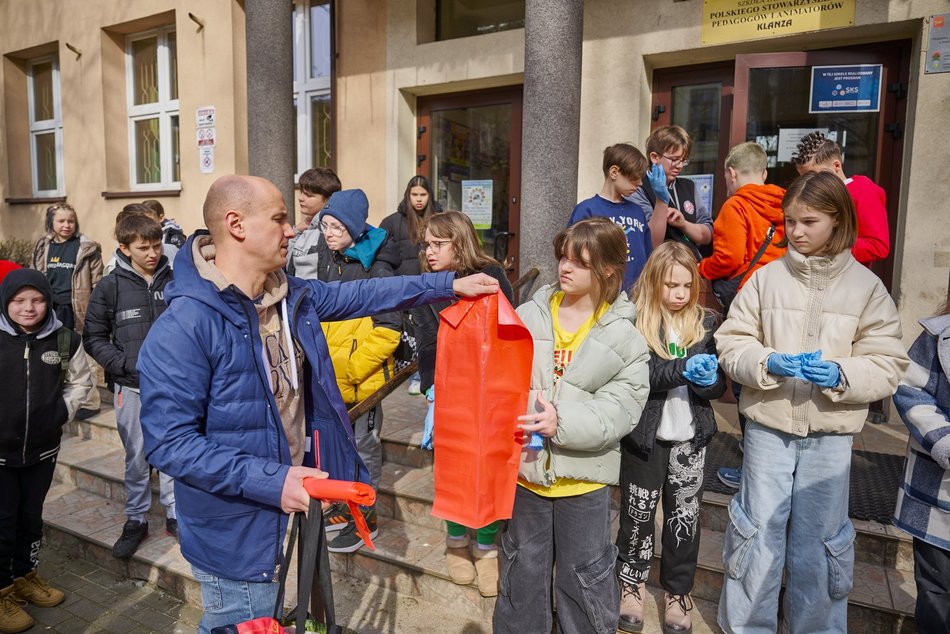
(152,79)
(464,18)
(46,127)
(313,60)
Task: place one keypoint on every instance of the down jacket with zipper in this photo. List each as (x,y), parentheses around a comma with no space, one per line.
(405,247)
(361,349)
(36,402)
(599,399)
(210,420)
(86,275)
(122,308)
(802,304)
(666,374)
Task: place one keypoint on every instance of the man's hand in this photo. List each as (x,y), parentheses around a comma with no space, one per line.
(294,497)
(543,422)
(474,285)
(676,219)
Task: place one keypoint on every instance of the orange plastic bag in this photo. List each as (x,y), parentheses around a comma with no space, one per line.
(482,376)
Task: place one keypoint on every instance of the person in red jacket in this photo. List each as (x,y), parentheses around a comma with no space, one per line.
(6,266)
(815,152)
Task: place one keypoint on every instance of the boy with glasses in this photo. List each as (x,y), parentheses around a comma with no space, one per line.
(670,204)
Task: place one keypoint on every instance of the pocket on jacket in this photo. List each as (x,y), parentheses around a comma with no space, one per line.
(839,550)
(509,551)
(211,599)
(740,538)
(600,590)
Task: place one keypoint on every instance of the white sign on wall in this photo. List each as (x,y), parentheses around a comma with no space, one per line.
(204,116)
(205,137)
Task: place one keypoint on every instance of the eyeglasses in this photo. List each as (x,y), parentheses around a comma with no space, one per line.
(435,245)
(331,230)
(676,162)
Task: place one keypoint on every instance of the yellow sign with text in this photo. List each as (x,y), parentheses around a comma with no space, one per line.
(740,20)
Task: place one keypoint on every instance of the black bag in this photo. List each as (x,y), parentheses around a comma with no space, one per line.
(725,289)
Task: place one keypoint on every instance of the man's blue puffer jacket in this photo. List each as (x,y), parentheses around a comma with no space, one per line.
(210,420)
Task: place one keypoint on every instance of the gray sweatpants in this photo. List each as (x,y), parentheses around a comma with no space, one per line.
(366,430)
(138,490)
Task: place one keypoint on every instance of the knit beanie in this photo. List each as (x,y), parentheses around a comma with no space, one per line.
(17,280)
(351,208)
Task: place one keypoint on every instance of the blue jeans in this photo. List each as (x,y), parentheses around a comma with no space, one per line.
(565,541)
(229,602)
(791,512)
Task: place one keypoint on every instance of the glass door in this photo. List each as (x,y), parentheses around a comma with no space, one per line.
(470,148)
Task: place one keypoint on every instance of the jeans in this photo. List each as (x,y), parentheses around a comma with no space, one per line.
(138,489)
(22,493)
(568,539)
(791,512)
(229,602)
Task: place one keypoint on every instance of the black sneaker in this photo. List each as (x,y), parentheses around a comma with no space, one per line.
(85,414)
(348,541)
(171,527)
(336,517)
(133,533)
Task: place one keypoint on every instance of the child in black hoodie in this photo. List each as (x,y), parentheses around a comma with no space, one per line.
(45,377)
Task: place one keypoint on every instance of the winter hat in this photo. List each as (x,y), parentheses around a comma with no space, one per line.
(351,208)
(16,280)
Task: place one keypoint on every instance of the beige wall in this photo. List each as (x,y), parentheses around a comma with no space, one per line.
(95,130)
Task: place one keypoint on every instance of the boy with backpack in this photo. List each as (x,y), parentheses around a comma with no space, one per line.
(122,308)
(45,378)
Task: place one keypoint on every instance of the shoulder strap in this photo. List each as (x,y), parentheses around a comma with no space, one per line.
(758,254)
(64,337)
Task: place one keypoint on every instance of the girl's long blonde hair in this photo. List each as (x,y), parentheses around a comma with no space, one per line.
(457,228)
(653,318)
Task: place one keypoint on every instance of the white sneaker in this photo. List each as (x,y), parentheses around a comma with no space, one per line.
(415,387)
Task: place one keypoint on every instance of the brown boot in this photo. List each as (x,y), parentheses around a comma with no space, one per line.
(676,616)
(631,607)
(12,617)
(36,590)
(486,563)
(458,560)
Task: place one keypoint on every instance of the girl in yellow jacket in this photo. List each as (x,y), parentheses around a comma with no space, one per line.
(813,337)
(361,349)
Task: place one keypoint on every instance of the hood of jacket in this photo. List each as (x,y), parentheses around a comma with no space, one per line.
(124,263)
(765,200)
(12,284)
(366,248)
(622,308)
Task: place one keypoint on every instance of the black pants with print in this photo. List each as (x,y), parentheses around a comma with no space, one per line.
(22,493)
(674,472)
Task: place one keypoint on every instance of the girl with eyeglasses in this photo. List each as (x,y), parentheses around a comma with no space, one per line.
(452,245)
(670,203)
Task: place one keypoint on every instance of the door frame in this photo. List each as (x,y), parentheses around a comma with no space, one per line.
(512,95)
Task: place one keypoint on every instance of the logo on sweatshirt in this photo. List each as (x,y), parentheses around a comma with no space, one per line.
(51,357)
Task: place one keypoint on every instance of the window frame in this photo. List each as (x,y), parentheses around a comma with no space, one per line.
(306,87)
(46,126)
(165,109)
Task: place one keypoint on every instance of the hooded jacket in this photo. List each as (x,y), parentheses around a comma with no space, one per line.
(405,246)
(802,304)
(86,275)
(36,401)
(209,417)
(740,229)
(599,399)
(121,310)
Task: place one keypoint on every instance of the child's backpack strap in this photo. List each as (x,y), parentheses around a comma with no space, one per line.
(64,337)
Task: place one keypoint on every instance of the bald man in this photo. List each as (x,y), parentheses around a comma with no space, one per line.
(236,378)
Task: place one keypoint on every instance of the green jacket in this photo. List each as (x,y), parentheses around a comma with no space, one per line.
(599,399)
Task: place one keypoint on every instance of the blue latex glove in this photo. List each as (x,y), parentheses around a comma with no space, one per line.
(536,441)
(784,364)
(429,429)
(701,369)
(822,373)
(657,179)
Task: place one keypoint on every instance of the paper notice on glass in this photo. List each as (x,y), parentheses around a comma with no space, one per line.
(477,202)
(788,139)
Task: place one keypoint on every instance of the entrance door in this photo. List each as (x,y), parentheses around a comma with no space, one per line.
(469,146)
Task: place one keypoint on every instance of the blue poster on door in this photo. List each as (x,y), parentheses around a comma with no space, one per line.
(855,88)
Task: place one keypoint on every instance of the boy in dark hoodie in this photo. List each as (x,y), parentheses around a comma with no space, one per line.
(361,349)
(45,378)
(122,309)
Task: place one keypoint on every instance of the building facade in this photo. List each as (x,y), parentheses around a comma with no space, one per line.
(108,102)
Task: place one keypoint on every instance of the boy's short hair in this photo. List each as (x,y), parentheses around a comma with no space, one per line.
(747,158)
(815,148)
(671,137)
(628,159)
(320,180)
(135,208)
(155,206)
(137,226)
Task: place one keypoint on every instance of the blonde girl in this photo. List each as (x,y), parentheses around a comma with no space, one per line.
(589,383)
(452,245)
(813,337)
(663,458)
